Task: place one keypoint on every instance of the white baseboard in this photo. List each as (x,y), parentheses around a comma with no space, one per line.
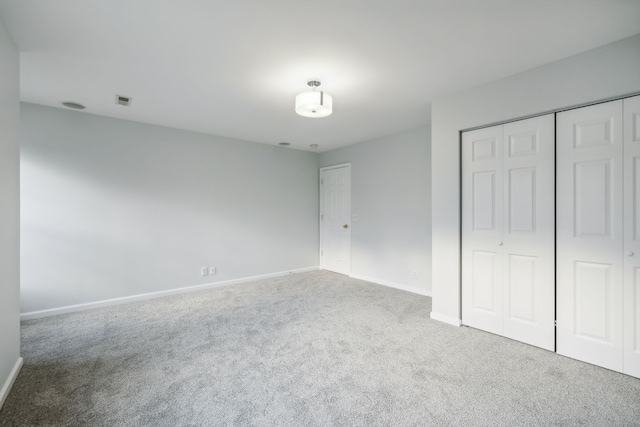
(446,319)
(6,388)
(140,297)
(391,285)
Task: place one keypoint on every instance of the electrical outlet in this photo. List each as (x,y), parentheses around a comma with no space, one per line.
(414,275)
(204,271)
(212,271)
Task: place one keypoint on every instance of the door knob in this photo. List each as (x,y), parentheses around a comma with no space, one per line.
(629,253)
(499,243)
(345,226)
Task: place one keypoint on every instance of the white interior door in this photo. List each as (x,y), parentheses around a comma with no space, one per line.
(482,304)
(335,219)
(529,231)
(590,234)
(508,230)
(631,362)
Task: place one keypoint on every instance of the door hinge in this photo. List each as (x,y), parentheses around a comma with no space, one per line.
(321,253)
(555,323)
(321,181)
(321,217)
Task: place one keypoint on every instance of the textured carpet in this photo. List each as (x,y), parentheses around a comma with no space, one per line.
(311,349)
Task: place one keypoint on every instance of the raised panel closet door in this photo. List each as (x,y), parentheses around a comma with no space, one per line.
(482,303)
(529,231)
(589,287)
(632,236)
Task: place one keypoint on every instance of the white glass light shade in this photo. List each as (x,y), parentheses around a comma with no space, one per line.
(314,104)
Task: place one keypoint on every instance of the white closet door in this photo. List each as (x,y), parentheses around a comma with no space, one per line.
(482,303)
(590,234)
(508,230)
(529,231)
(632,236)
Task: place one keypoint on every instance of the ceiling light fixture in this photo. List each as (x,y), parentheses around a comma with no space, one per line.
(315,103)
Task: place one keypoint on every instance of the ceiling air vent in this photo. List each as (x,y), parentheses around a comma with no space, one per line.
(123,100)
(73,105)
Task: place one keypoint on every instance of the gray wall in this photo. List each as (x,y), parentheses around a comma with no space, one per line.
(391,197)
(609,71)
(9,211)
(113,208)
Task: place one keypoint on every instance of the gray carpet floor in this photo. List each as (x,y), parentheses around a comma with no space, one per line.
(311,349)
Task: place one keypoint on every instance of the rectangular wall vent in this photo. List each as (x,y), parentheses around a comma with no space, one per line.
(123,100)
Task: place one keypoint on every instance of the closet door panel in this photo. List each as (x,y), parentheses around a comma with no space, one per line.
(632,236)
(590,234)
(508,230)
(521,289)
(529,232)
(632,321)
(482,302)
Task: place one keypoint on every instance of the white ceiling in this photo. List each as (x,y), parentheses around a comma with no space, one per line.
(233,67)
